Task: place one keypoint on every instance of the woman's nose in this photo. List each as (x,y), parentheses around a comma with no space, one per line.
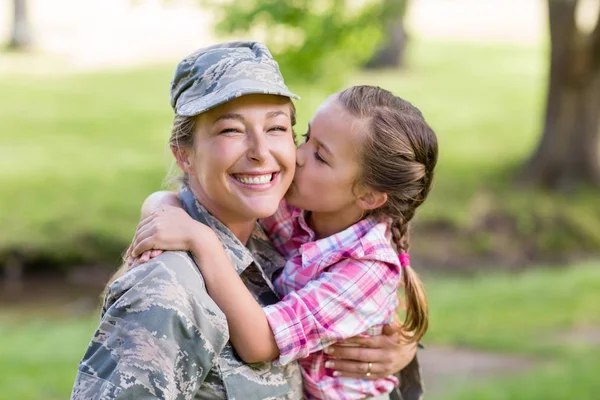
(258,148)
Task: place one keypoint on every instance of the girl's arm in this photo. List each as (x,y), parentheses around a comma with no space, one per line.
(249,330)
(173,229)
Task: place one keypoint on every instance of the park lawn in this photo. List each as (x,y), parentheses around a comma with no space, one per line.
(511,313)
(570,377)
(79,152)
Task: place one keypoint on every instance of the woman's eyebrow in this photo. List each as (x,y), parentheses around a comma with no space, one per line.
(273,114)
(237,117)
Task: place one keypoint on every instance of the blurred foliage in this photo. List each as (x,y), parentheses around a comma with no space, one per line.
(313,40)
(76,168)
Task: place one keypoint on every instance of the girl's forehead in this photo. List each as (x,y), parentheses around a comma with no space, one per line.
(338,130)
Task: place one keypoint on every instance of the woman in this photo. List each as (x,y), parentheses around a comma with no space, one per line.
(161,335)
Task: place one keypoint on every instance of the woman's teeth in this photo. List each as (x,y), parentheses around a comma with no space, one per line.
(254,179)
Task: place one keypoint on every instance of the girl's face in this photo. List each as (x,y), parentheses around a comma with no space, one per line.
(243,157)
(327,162)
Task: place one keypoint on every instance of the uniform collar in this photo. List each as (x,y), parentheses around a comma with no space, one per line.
(238,253)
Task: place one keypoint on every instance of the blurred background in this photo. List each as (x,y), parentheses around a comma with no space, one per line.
(508,242)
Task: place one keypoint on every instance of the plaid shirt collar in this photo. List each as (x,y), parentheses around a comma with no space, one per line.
(345,244)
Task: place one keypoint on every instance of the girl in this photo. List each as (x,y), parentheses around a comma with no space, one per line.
(366,165)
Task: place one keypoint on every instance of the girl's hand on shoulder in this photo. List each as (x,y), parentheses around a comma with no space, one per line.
(168,228)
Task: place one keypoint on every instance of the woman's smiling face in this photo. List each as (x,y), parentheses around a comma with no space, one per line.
(243,157)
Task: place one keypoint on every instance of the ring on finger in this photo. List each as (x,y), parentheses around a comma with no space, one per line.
(369,365)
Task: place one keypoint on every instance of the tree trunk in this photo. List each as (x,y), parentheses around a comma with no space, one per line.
(391,51)
(567,155)
(20,37)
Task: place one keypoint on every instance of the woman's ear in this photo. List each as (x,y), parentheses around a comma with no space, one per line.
(183,159)
(371,199)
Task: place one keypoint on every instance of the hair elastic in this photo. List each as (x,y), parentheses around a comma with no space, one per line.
(404,259)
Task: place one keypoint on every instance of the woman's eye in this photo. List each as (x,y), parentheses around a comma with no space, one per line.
(278,129)
(230,130)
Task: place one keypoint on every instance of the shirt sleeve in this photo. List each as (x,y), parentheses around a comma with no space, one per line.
(158,338)
(346,300)
(279,227)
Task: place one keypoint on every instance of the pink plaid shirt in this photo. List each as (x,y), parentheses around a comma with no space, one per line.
(332,289)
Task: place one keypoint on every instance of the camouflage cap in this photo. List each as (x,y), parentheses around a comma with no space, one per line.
(217,74)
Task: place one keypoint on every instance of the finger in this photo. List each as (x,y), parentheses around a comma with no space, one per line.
(139,238)
(356,369)
(145,257)
(371,377)
(155,253)
(135,263)
(148,226)
(146,221)
(144,245)
(373,342)
(360,354)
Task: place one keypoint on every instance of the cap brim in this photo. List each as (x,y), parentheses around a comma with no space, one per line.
(232,91)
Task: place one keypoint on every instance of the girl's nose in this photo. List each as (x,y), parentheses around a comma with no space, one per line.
(300,156)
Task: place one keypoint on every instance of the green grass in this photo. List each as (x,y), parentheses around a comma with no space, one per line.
(521,314)
(38,356)
(574,377)
(79,153)
(515,312)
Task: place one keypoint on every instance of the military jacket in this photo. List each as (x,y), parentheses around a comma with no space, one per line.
(162,336)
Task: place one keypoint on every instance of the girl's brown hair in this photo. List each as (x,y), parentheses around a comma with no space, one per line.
(398,157)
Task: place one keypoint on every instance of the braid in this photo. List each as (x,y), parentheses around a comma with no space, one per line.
(401,230)
(397,157)
(417,313)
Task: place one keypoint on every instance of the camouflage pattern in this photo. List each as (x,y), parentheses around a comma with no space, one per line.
(217,74)
(162,336)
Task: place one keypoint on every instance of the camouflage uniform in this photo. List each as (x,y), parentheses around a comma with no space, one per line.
(162,336)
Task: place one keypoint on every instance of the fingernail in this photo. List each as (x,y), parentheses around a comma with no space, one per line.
(336,373)
(328,350)
(329,364)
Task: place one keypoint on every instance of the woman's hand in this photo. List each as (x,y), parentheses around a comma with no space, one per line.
(169,228)
(375,357)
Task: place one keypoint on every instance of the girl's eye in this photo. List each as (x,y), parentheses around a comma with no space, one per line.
(319,158)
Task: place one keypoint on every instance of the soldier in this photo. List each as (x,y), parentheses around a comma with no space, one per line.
(161,335)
